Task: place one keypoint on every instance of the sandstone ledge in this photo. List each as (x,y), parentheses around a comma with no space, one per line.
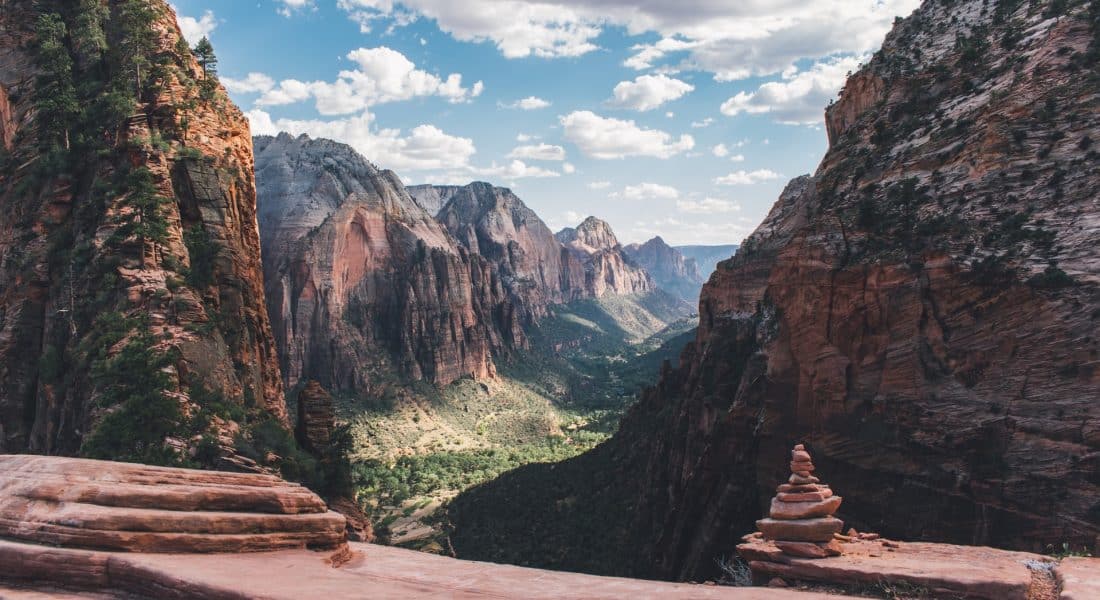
(103,505)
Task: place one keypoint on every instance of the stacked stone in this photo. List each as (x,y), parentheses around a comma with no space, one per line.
(801,521)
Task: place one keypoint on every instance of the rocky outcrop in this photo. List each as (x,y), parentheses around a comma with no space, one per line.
(669,268)
(362,281)
(706,258)
(596,262)
(131,216)
(100,505)
(316,417)
(496,225)
(924,312)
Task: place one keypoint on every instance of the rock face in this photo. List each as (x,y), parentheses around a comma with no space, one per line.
(361,279)
(597,263)
(316,417)
(102,505)
(496,225)
(668,267)
(123,219)
(924,311)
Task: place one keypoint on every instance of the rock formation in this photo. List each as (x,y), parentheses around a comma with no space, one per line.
(706,258)
(800,521)
(127,214)
(496,225)
(669,268)
(316,417)
(597,262)
(101,505)
(924,310)
(362,281)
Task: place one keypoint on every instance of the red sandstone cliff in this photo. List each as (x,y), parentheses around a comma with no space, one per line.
(595,261)
(923,313)
(143,207)
(361,280)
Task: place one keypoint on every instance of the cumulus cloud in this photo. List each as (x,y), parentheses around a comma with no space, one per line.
(424,147)
(648,92)
(195,29)
(289,7)
(732,40)
(538,152)
(647,191)
(252,84)
(382,75)
(706,206)
(799,99)
(599,185)
(517,169)
(720,150)
(707,122)
(568,168)
(528,103)
(747,177)
(606,138)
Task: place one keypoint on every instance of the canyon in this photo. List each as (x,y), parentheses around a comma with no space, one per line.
(922,313)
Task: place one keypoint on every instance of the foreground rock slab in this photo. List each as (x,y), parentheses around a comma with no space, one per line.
(373,571)
(945,569)
(1078,578)
(136,508)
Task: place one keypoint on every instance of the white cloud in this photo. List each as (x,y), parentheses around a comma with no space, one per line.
(720,150)
(747,177)
(382,75)
(737,158)
(648,92)
(599,185)
(289,7)
(798,100)
(517,169)
(647,191)
(707,122)
(253,83)
(538,152)
(568,168)
(732,40)
(425,147)
(706,206)
(195,29)
(524,137)
(606,138)
(528,103)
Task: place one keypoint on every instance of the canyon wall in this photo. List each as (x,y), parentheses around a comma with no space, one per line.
(127,221)
(595,262)
(670,269)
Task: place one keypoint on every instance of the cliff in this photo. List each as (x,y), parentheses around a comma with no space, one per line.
(130,271)
(362,281)
(595,261)
(706,258)
(923,313)
(670,269)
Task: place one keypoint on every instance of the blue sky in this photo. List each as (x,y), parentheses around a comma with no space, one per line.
(683,119)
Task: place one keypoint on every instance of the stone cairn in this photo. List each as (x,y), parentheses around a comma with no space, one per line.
(801,521)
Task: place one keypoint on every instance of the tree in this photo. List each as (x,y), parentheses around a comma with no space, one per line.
(204,53)
(149,224)
(55,93)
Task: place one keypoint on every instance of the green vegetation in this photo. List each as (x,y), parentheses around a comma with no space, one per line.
(203,251)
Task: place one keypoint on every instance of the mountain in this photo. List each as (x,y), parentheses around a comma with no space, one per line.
(604,267)
(131,292)
(494,223)
(923,313)
(363,282)
(707,257)
(668,267)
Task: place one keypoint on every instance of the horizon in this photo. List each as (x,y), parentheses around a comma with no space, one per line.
(660,121)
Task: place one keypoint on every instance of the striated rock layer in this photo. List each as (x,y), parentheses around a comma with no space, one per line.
(924,312)
(136,508)
(147,221)
(360,278)
(597,263)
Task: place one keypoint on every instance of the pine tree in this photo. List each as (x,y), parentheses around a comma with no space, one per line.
(55,93)
(204,53)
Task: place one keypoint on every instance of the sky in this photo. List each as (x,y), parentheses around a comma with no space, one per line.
(681,119)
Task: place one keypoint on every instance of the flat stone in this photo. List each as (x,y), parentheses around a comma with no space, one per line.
(801,467)
(801,549)
(949,571)
(800,456)
(804,496)
(801,488)
(832,547)
(804,510)
(1078,578)
(803,530)
(802,479)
